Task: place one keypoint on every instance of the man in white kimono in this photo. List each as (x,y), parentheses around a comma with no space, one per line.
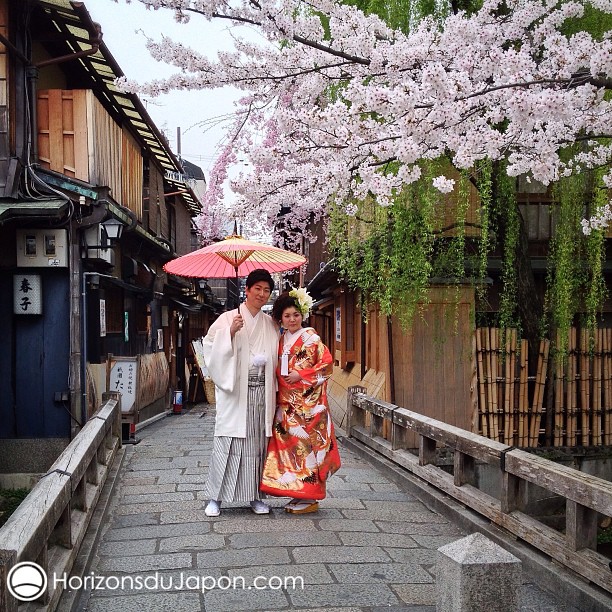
(241,353)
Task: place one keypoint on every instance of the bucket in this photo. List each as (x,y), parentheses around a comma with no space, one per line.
(177,402)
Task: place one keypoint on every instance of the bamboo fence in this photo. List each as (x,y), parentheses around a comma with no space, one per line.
(512,406)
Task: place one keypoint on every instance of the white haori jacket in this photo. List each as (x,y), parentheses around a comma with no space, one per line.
(228,364)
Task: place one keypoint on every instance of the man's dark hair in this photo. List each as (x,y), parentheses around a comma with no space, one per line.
(282,302)
(258,275)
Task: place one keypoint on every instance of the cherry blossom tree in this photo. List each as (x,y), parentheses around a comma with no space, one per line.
(339,106)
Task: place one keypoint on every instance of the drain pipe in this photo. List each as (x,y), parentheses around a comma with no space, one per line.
(32,137)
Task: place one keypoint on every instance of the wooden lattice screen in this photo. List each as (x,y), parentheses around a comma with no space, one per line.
(512,405)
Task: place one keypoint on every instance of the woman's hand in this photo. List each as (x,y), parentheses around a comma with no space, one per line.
(292,377)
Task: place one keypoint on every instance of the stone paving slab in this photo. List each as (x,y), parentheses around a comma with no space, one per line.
(371,547)
(362,595)
(311,573)
(192,542)
(288,539)
(157,531)
(236,600)
(380,572)
(393,540)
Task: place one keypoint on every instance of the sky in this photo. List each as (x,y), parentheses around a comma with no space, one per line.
(124,27)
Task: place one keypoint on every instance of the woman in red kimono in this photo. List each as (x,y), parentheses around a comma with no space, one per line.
(302,452)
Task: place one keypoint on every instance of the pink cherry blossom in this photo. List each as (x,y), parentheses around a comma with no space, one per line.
(352,109)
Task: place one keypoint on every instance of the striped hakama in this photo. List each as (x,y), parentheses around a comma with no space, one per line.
(237,463)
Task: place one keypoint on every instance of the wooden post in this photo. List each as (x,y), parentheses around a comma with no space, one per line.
(580,526)
(377,423)
(427,451)
(513,493)
(116,427)
(464,472)
(79,495)
(513,416)
(355,416)
(43,561)
(91,474)
(399,439)
(62,534)
(8,558)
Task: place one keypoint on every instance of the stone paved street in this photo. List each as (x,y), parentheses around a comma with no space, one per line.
(372,546)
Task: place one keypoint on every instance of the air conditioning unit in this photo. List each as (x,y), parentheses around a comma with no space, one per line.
(96,245)
(42,248)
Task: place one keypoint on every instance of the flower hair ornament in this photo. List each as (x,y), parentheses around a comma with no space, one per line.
(303,299)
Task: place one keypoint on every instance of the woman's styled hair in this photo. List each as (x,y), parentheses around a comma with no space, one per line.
(282,302)
(257,275)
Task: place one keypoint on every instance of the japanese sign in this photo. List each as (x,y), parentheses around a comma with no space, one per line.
(123,377)
(27,294)
(102,318)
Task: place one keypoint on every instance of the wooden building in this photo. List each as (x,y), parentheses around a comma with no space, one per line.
(445,367)
(82,309)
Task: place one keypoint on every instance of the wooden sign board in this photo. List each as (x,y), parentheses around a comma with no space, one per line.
(122,376)
(198,351)
(197,347)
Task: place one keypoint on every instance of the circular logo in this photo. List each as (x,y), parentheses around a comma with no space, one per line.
(26,581)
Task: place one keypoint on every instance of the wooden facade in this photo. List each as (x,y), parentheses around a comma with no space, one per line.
(427,367)
(77,137)
(432,365)
(75,154)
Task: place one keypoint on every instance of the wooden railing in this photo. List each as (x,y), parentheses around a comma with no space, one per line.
(585,495)
(49,525)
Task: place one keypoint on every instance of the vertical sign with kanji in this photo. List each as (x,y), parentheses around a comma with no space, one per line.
(123,377)
(27,294)
(102,318)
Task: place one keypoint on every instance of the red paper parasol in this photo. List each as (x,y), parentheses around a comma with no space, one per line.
(234,256)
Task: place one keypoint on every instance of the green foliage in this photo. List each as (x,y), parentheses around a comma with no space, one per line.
(483,177)
(605,536)
(382,252)
(9,500)
(575,281)
(392,254)
(593,21)
(595,257)
(507,208)
(404,15)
